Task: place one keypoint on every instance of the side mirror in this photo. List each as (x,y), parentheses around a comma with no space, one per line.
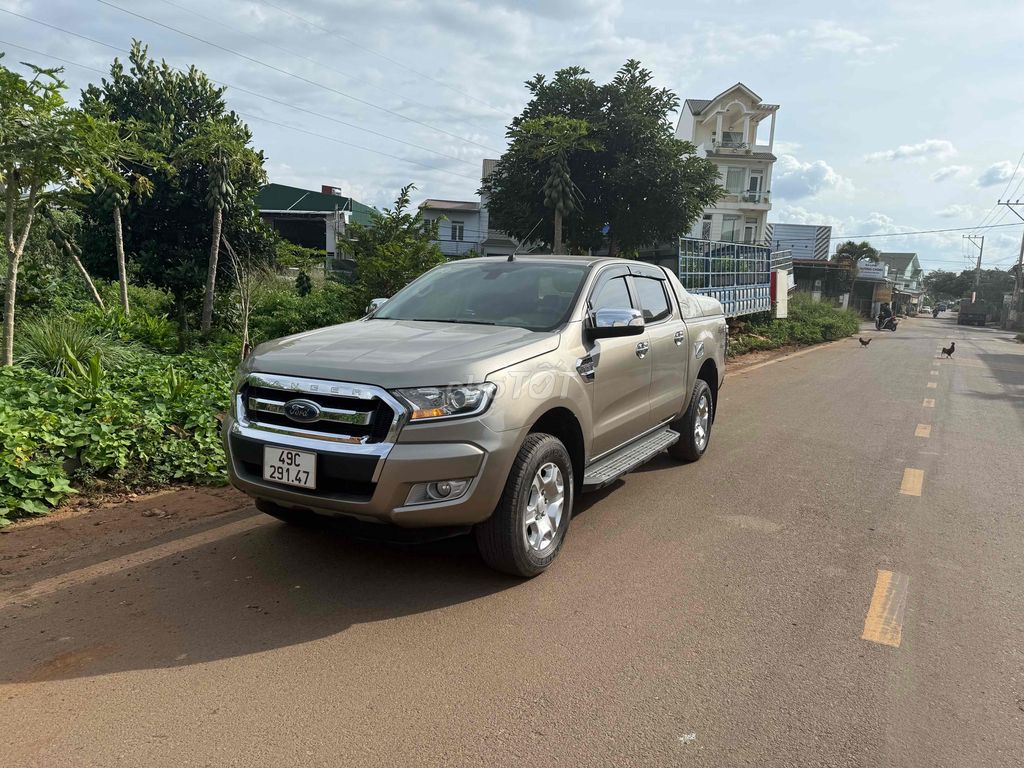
(612,323)
(374,305)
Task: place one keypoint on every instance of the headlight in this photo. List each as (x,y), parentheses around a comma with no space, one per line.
(430,403)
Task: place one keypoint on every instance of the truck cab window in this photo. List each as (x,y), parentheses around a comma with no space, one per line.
(612,295)
(653,301)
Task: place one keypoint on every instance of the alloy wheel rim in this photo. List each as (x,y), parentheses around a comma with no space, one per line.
(703,424)
(544,508)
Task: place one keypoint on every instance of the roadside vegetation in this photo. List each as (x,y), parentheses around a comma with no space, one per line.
(809,322)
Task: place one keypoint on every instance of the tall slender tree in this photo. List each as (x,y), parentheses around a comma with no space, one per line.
(220,148)
(45,146)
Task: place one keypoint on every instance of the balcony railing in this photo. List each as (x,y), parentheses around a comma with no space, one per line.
(746,197)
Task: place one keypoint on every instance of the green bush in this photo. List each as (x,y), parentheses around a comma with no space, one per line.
(278,311)
(156,332)
(809,322)
(135,426)
(50,344)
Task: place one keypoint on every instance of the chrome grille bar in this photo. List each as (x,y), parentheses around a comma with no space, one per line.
(342,415)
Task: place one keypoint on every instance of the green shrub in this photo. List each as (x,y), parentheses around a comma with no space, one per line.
(809,322)
(278,311)
(49,344)
(141,425)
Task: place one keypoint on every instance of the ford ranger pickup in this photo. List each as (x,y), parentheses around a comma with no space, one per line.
(485,396)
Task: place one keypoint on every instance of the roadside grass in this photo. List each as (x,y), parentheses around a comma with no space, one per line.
(809,322)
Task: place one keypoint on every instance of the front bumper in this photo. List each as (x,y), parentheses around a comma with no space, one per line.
(374,485)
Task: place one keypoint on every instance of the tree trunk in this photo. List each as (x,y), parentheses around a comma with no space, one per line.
(211,272)
(556,247)
(12,288)
(70,251)
(613,247)
(14,251)
(122,268)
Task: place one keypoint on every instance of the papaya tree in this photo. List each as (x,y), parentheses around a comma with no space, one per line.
(45,147)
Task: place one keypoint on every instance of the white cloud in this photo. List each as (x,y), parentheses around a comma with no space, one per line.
(950,171)
(939,149)
(995,174)
(957,211)
(830,37)
(795,179)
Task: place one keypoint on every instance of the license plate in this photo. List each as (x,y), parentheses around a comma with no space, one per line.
(283,465)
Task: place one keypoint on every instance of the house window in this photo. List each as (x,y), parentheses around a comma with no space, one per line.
(458,230)
(754,186)
(750,231)
(732,138)
(734,180)
(730,228)
(705,227)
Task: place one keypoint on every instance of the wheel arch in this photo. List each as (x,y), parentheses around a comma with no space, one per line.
(562,423)
(709,373)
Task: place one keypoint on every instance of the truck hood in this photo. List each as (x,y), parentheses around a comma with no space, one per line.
(401,353)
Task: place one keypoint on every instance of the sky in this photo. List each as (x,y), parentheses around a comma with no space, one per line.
(894,117)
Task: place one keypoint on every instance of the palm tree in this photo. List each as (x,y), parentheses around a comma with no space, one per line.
(853,253)
(554,139)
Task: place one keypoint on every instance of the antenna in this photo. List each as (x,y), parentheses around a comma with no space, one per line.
(512,256)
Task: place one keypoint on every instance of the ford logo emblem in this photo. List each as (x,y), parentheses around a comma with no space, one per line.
(302,410)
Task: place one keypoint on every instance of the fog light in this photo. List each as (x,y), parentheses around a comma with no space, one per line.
(441,490)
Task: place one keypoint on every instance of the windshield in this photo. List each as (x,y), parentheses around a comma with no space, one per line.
(538,297)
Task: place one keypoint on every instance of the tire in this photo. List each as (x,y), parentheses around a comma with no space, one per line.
(515,541)
(690,446)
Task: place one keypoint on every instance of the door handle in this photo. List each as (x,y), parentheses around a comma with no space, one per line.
(679,338)
(642,348)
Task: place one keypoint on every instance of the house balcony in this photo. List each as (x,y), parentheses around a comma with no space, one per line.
(738,149)
(752,198)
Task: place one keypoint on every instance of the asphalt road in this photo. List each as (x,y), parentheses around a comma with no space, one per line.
(704,615)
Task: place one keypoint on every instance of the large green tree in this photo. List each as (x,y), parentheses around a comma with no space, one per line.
(994,283)
(45,147)
(395,248)
(642,187)
(168,235)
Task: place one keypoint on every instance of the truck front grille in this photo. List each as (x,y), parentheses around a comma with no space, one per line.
(311,408)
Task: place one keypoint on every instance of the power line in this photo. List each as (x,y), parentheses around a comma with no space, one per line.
(255,117)
(285,72)
(241,89)
(360,46)
(290,52)
(922,232)
(1008,183)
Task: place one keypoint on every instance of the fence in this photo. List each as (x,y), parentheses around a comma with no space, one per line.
(737,274)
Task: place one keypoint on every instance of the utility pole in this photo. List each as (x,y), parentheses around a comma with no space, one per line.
(1018,281)
(977,270)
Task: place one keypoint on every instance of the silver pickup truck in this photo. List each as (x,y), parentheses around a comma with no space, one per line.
(485,395)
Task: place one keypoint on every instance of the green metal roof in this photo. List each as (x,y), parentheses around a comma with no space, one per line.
(281,197)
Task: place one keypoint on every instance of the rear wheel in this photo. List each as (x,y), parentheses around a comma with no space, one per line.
(695,425)
(526,532)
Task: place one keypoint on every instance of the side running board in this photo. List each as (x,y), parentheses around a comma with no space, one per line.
(627,458)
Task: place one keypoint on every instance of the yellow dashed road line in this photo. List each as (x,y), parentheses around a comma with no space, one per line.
(923,430)
(913,480)
(928,403)
(932,385)
(884,622)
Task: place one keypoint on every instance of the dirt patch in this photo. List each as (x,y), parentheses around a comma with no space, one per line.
(738,363)
(86,532)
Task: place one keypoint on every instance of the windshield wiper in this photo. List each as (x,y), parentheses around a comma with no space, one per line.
(450,320)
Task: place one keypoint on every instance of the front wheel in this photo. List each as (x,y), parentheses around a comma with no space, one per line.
(526,532)
(695,425)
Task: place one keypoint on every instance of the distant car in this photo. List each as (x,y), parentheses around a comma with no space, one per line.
(943,307)
(925,310)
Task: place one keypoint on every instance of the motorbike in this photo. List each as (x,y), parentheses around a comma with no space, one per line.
(935,312)
(886,324)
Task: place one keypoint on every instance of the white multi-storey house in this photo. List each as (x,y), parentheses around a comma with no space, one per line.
(729,130)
